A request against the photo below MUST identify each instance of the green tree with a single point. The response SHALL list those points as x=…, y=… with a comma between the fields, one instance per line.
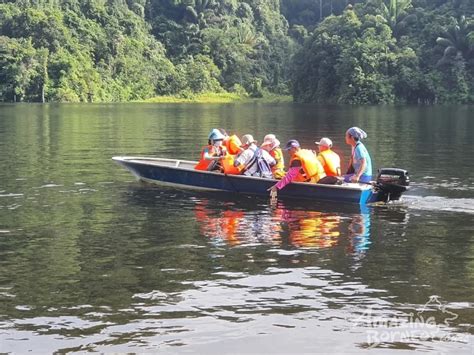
x=19, y=67
x=347, y=60
x=458, y=41
x=397, y=16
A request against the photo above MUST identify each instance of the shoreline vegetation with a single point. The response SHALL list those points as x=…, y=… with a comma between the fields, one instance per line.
x=327, y=51
x=218, y=98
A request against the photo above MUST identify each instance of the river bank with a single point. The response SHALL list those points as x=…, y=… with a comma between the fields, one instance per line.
x=218, y=98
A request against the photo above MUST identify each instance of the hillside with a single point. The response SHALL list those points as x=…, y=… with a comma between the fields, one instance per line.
x=374, y=51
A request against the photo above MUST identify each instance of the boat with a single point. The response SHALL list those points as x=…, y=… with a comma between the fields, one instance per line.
x=390, y=183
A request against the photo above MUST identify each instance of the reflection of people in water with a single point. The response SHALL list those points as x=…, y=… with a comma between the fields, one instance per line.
x=236, y=226
x=312, y=229
x=304, y=229
x=300, y=228
x=223, y=225
x=359, y=232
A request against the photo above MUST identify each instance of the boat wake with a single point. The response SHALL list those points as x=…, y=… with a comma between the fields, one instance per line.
x=439, y=203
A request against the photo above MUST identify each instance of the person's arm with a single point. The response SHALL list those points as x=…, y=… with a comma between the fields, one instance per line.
x=270, y=160
x=241, y=158
x=209, y=156
x=358, y=174
x=291, y=174
x=285, y=180
x=360, y=156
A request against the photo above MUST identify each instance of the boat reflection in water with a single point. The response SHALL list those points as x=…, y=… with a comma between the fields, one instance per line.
x=359, y=232
x=236, y=226
x=311, y=229
x=285, y=224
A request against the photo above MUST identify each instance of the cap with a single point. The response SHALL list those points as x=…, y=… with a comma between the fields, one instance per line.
x=271, y=140
x=325, y=142
x=247, y=139
x=292, y=143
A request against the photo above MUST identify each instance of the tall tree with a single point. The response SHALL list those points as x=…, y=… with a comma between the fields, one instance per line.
x=458, y=40
x=396, y=14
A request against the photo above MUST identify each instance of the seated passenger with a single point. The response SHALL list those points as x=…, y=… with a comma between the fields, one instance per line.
x=272, y=145
x=231, y=143
x=304, y=167
x=330, y=162
x=254, y=161
x=212, y=153
x=360, y=165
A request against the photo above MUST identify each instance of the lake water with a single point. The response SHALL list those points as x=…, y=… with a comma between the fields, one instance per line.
x=92, y=260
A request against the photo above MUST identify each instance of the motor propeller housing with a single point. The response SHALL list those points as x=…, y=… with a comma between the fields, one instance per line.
x=392, y=182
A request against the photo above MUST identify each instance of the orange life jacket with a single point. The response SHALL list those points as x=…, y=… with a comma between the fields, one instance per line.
x=311, y=168
x=203, y=163
x=228, y=165
x=278, y=169
x=330, y=162
x=232, y=144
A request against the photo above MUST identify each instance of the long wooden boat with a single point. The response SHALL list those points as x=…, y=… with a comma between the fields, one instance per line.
x=181, y=173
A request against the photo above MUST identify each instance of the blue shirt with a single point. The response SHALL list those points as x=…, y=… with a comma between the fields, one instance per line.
x=360, y=152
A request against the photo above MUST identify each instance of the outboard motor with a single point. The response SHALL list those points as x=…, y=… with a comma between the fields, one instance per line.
x=392, y=182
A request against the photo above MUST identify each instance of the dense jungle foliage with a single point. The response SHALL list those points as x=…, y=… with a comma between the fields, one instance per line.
x=361, y=52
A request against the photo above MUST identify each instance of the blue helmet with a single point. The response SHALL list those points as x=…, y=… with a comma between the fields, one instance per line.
x=216, y=135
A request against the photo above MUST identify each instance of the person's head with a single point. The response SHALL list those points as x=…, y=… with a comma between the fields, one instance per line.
x=247, y=140
x=292, y=146
x=215, y=137
x=270, y=142
x=324, y=144
x=354, y=134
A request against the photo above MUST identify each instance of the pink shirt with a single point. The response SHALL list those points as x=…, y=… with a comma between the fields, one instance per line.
x=289, y=177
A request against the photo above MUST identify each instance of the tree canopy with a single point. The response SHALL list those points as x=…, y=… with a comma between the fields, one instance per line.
x=361, y=52
x=386, y=51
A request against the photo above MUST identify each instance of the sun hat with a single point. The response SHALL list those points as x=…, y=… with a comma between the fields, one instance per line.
x=271, y=140
x=247, y=139
x=326, y=142
x=216, y=135
x=292, y=143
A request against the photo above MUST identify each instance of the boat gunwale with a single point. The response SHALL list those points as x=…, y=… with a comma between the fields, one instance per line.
x=143, y=161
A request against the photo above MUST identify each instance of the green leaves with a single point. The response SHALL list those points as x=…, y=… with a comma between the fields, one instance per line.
x=458, y=39
x=21, y=69
x=371, y=51
x=385, y=51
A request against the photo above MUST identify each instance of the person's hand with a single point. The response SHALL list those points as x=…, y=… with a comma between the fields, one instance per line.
x=354, y=178
x=273, y=193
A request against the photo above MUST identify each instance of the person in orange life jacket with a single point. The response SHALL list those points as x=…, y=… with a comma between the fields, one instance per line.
x=212, y=153
x=330, y=161
x=360, y=162
x=272, y=145
x=304, y=167
x=231, y=143
x=254, y=161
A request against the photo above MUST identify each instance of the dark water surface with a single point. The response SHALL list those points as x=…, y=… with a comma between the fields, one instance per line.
x=92, y=260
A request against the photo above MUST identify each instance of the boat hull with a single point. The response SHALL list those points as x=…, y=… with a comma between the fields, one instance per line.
x=181, y=173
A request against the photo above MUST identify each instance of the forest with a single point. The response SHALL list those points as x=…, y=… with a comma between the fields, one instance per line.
x=318, y=51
